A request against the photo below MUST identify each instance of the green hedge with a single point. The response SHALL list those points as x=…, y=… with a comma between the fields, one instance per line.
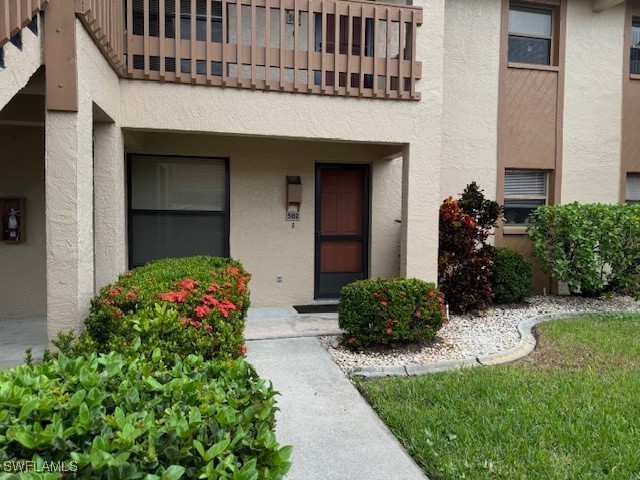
x=125, y=417
x=512, y=276
x=208, y=299
x=593, y=248
x=390, y=311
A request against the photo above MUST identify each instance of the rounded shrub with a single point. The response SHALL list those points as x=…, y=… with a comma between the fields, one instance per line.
x=512, y=276
x=131, y=416
x=390, y=311
x=202, y=303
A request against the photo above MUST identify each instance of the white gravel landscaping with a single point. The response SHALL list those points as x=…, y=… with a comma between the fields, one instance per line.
x=469, y=336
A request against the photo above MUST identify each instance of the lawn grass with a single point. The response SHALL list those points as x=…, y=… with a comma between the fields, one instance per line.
x=571, y=410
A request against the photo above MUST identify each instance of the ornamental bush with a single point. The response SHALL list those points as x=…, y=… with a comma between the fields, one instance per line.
x=593, y=248
x=130, y=416
x=512, y=276
x=201, y=304
x=465, y=263
x=390, y=311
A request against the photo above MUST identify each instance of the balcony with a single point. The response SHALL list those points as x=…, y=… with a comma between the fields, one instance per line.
x=326, y=47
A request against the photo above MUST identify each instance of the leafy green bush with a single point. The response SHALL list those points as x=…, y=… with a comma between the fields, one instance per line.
x=512, y=276
x=129, y=416
x=390, y=311
x=208, y=295
x=593, y=248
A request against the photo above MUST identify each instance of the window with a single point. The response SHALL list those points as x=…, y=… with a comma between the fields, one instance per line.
x=178, y=206
x=531, y=35
x=633, y=188
x=524, y=191
x=634, y=65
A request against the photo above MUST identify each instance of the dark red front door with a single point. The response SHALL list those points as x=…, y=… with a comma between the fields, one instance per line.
x=341, y=227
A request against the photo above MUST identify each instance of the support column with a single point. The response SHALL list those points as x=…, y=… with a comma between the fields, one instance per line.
x=110, y=209
x=422, y=156
x=69, y=218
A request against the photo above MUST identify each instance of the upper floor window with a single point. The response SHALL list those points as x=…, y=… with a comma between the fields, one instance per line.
x=531, y=35
x=524, y=191
x=633, y=188
x=634, y=65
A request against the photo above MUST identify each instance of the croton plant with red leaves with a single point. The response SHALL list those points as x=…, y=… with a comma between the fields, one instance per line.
x=208, y=295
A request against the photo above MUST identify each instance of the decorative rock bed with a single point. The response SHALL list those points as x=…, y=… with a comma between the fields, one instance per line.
x=469, y=337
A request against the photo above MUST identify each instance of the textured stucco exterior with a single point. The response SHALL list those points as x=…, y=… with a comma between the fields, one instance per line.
x=260, y=236
x=70, y=193
x=471, y=77
x=20, y=65
x=23, y=291
x=593, y=104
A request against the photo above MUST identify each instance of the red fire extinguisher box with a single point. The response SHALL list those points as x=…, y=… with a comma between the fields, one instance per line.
x=13, y=211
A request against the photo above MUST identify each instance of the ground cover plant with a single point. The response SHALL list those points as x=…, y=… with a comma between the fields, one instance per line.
x=198, y=303
x=569, y=410
x=384, y=311
x=125, y=416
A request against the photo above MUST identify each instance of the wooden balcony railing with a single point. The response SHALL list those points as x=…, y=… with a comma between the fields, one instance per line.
x=16, y=15
x=104, y=20
x=348, y=48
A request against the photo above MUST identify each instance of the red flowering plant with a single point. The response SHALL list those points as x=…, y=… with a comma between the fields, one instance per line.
x=465, y=262
x=207, y=298
x=390, y=311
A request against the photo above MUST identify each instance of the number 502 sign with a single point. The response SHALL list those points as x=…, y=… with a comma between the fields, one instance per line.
x=293, y=216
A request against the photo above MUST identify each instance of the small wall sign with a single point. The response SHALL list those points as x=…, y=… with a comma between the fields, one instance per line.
x=293, y=216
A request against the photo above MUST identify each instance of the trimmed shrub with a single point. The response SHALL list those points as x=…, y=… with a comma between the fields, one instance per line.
x=390, y=311
x=512, y=276
x=593, y=248
x=208, y=297
x=125, y=417
x=464, y=264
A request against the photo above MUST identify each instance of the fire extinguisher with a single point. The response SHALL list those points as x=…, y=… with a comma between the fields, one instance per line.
x=12, y=226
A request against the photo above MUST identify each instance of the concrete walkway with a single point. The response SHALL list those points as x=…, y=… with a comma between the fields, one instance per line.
x=16, y=335
x=334, y=432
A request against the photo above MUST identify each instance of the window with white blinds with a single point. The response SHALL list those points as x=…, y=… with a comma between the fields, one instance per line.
x=524, y=191
x=633, y=188
x=178, y=207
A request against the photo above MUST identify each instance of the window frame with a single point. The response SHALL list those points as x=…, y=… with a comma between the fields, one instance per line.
x=554, y=44
x=627, y=200
x=225, y=213
x=634, y=20
x=521, y=227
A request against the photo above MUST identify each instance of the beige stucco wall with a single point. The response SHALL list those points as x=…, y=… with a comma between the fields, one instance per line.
x=260, y=236
x=417, y=125
x=470, y=115
x=69, y=165
x=23, y=291
x=20, y=65
x=592, y=103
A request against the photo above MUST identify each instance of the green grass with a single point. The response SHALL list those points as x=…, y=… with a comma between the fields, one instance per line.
x=569, y=411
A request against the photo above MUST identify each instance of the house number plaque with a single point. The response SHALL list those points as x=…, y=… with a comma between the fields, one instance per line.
x=293, y=216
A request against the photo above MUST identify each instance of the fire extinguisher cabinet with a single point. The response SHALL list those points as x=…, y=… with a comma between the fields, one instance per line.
x=14, y=214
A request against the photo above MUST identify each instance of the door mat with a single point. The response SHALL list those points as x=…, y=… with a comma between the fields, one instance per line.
x=326, y=308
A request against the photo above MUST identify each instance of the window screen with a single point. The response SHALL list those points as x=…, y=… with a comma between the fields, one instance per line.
x=530, y=35
x=633, y=188
x=634, y=65
x=178, y=207
x=524, y=191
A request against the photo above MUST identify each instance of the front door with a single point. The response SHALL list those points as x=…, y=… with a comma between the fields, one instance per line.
x=342, y=230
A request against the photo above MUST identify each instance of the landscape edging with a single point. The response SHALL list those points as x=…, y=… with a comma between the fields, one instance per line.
x=524, y=347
